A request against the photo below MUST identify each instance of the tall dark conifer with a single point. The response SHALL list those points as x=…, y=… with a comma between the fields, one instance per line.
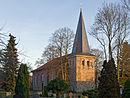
x=10, y=65
x=126, y=91
x=22, y=84
x=108, y=86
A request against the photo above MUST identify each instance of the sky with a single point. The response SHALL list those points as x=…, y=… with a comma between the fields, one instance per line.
x=33, y=21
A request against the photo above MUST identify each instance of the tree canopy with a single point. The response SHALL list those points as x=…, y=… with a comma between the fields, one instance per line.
x=60, y=43
x=125, y=60
x=111, y=28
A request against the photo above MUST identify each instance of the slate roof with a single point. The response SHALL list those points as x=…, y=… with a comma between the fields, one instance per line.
x=81, y=42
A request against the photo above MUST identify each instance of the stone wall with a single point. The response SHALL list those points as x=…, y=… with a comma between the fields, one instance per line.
x=84, y=85
x=82, y=76
x=83, y=71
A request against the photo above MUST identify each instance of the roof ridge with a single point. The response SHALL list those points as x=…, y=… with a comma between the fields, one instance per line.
x=48, y=63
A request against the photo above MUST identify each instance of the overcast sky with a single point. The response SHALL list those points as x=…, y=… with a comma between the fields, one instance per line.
x=33, y=21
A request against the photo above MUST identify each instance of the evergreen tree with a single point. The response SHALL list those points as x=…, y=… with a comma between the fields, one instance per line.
x=126, y=91
x=10, y=65
x=22, y=84
x=108, y=85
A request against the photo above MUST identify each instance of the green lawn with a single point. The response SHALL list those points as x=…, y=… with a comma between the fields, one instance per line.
x=3, y=94
x=34, y=92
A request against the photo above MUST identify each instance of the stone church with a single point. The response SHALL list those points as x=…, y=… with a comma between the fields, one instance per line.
x=77, y=68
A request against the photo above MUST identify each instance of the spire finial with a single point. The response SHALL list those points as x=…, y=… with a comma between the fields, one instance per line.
x=80, y=6
x=80, y=9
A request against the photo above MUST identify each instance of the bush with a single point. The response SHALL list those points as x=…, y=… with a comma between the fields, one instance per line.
x=93, y=93
x=58, y=85
x=45, y=92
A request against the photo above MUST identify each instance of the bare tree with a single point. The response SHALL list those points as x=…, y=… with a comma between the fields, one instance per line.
x=99, y=57
x=110, y=22
x=2, y=37
x=60, y=43
x=39, y=62
x=62, y=39
x=125, y=60
x=98, y=63
x=50, y=52
x=126, y=4
x=2, y=44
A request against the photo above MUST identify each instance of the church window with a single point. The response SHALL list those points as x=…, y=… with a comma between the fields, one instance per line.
x=39, y=81
x=92, y=64
x=35, y=81
x=47, y=79
x=88, y=63
x=42, y=77
x=83, y=62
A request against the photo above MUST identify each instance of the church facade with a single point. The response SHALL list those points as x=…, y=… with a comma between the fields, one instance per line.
x=78, y=68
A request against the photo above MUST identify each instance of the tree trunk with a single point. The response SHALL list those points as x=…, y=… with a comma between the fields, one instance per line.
x=110, y=50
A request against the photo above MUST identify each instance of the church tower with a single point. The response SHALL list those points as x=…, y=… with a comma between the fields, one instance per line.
x=82, y=61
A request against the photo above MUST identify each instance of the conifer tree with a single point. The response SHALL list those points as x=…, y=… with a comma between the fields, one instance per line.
x=108, y=85
x=22, y=84
x=10, y=65
x=126, y=91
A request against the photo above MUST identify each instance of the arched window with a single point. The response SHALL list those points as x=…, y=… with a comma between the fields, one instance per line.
x=92, y=64
x=35, y=81
x=83, y=62
x=42, y=77
x=39, y=81
x=88, y=63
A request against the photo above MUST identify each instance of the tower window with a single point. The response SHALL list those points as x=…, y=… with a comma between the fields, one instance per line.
x=92, y=64
x=83, y=62
x=88, y=63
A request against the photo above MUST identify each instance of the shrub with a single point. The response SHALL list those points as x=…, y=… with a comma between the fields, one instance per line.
x=45, y=92
x=93, y=93
x=58, y=85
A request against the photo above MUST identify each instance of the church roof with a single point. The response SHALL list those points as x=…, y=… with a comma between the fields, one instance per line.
x=53, y=62
x=80, y=45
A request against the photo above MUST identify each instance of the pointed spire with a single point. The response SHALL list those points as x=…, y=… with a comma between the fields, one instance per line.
x=80, y=45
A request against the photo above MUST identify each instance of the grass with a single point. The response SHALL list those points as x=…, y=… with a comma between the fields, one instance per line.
x=34, y=92
x=3, y=94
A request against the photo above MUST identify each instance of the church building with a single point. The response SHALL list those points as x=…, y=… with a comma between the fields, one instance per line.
x=77, y=68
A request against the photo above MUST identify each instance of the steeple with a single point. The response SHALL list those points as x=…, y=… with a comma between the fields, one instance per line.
x=80, y=45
